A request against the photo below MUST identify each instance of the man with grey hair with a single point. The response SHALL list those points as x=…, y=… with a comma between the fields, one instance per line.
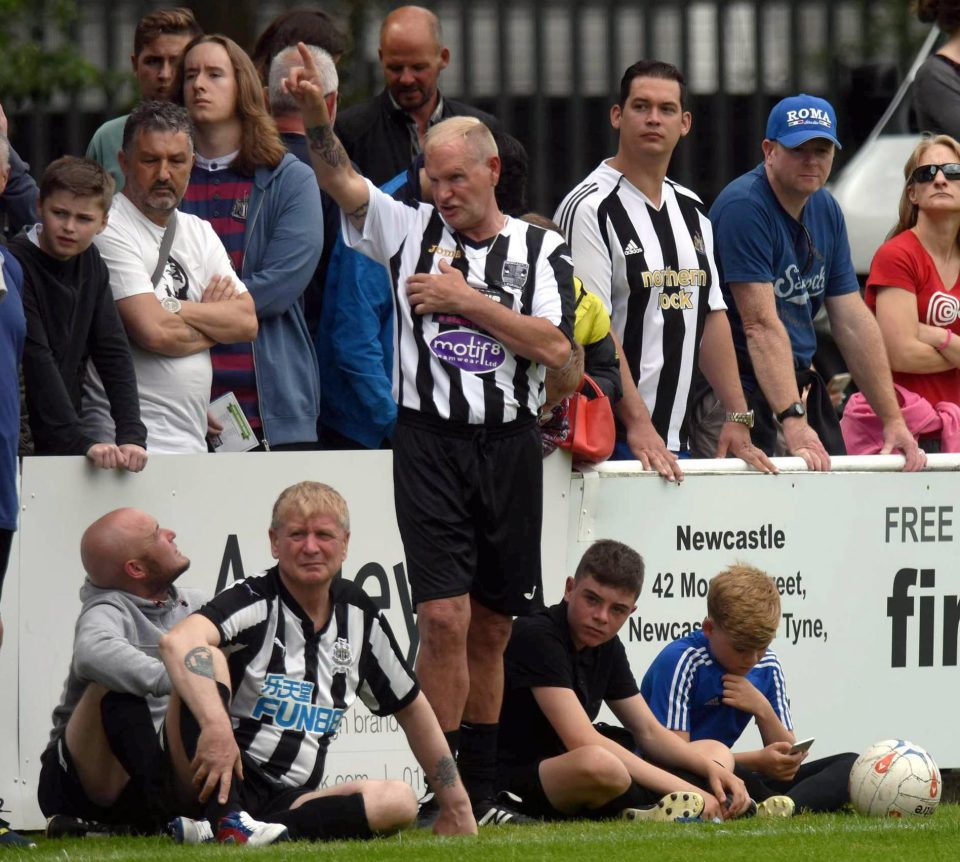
x=286, y=114
x=483, y=305
x=175, y=289
x=384, y=133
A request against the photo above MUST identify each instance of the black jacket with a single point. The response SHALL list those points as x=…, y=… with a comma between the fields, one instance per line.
x=71, y=316
x=376, y=135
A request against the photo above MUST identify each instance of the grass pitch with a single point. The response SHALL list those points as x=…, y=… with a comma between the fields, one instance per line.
x=820, y=837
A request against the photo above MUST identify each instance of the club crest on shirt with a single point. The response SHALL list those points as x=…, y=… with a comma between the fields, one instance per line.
x=698, y=243
x=514, y=273
x=342, y=655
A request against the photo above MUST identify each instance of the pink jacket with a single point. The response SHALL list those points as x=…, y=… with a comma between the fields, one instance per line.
x=863, y=430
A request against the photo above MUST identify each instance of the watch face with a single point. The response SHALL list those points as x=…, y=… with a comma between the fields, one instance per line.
x=795, y=409
x=171, y=304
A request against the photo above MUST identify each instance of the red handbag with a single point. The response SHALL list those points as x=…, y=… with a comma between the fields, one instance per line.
x=592, y=432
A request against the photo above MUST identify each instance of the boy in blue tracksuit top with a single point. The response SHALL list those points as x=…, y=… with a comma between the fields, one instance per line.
x=713, y=682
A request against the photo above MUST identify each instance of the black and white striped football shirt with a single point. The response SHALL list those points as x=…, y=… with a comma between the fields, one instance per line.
x=446, y=366
x=292, y=684
x=654, y=268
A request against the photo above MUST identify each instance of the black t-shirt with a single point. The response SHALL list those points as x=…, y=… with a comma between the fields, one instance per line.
x=541, y=654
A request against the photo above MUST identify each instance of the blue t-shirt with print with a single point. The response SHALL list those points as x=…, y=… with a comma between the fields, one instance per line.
x=757, y=240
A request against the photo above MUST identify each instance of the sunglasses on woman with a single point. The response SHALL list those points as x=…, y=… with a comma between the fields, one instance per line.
x=926, y=173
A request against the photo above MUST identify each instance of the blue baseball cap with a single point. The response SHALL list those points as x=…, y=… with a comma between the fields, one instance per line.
x=798, y=119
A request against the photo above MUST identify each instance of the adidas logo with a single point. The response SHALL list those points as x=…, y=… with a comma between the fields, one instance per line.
x=632, y=248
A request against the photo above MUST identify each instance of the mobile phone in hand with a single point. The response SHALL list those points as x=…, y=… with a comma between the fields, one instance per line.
x=801, y=745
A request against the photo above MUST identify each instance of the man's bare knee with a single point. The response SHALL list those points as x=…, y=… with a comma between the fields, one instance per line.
x=443, y=624
x=715, y=751
x=489, y=630
x=604, y=770
x=390, y=805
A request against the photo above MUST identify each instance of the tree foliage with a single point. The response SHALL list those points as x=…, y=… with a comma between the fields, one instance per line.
x=39, y=58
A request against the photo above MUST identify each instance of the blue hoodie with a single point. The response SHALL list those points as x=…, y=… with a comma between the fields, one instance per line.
x=282, y=244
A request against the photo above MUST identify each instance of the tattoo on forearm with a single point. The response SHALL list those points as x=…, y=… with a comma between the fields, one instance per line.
x=359, y=216
x=199, y=661
x=446, y=772
x=327, y=145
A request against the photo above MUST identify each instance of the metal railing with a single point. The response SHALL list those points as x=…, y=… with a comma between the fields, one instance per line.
x=549, y=71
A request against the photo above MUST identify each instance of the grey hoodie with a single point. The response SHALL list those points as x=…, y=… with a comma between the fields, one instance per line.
x=116, y=644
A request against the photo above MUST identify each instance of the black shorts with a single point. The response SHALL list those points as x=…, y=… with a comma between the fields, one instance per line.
x=469, y=503
x=59, y=791
x=263, y=797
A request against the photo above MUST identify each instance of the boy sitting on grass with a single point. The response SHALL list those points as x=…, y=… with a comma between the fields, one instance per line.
x=707, y=687
x=561, y=663
x=71, y=318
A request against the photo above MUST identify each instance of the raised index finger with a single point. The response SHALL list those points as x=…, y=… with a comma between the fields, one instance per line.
x=307, y=58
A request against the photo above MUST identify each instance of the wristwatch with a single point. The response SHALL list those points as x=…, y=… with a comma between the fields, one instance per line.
x=794, y=410
x=171, y=304
x=741, y=418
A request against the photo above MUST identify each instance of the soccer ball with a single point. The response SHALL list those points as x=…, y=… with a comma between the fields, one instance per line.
x=895, y=778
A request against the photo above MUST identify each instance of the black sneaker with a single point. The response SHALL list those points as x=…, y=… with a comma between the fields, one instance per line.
x=9, y=838
x=503, y=808
x=65, y=826
x=428, y=811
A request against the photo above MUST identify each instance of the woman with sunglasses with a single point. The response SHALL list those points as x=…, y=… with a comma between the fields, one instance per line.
x=914, y=290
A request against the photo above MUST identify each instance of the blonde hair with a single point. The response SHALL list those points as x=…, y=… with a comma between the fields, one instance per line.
x=308, y=499
x=908, y=212
x=470, y=130
x=744, y=602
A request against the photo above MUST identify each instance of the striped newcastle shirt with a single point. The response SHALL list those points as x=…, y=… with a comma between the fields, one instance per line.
x=684, y=689
x=291, y=684
x=447, y=366
x=654, y=269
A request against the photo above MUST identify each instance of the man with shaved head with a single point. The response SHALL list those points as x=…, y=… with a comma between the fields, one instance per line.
x=104, y=762
x=383, y=134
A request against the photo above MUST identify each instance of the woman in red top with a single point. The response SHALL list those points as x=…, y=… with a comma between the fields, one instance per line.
x=914, y=282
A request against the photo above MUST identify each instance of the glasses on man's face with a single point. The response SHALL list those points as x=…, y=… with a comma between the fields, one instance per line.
x=927, y=173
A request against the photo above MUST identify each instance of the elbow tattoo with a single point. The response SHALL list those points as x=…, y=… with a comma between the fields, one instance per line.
x=199, y=661
x=327, y=146
x=445, y=773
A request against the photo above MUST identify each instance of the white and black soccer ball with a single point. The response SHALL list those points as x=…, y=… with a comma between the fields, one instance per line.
x=895, y=778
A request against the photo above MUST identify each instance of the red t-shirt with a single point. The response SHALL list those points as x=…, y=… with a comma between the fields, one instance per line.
x=903, y=262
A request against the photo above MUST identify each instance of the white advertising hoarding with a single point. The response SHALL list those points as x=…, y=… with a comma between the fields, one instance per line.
x=866, y=562
x=869, y=577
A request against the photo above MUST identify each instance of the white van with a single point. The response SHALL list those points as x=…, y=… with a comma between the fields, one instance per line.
x=869, y=186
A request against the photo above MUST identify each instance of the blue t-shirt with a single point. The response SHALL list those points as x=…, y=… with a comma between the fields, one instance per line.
x=13, y=331
x=757, y=240
x=684, y=689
